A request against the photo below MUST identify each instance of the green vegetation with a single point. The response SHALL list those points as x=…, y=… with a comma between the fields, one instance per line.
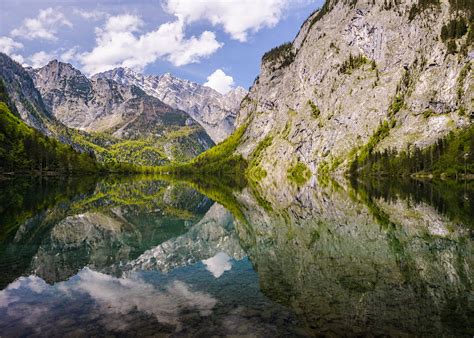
x=181, y=144
x=280, y=57
x=26, y=150
x=382, y=132
x=23, y=149
x=397, y=104
x=451, y=156
x=25, y=199
x=463, y=23
x=452, y=47
x=286, y=132
x=325, y=168
x=455, y=29
x=466, y=6
x=292, y=112
x=220, y=161
x=449, y=197
x=315, y=112
x=460, y=82
x=353, y=63
x=422, y=5
x=214, y=188
x=428, y=113
x=298, y=173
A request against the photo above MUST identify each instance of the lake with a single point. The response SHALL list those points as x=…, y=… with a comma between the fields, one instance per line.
x=155, y=256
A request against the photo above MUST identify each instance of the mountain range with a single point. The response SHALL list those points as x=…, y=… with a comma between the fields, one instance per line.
x=215, y=112
x=360, y=81
x=118, y=120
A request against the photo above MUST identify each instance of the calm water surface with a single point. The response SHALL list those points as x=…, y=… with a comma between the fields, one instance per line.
x=146, y=256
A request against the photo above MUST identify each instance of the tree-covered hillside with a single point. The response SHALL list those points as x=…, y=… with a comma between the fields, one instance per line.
x=23, y=148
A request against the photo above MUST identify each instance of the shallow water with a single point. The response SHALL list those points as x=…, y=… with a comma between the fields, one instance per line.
x=147, y=256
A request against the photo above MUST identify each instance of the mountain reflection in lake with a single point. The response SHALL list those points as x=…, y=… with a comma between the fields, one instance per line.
x=150, y=256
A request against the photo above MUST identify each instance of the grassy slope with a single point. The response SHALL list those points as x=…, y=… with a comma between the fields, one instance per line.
x=220, y=160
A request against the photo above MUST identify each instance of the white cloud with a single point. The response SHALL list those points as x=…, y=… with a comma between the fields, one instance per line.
x=38, y=60
x=44, y=26
x=218, y=264
x=220, y=81
x=69, y=55
x=9, y=46
x=90, y=15
x=237, y=17
x=121, y=43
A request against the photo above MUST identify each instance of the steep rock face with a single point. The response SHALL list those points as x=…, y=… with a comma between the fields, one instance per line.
x=100, y=104
x=352, y=66
x=26, y=99
x=213, y=111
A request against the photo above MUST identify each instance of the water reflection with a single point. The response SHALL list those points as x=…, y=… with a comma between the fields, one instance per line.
x=150, y=256
x=351, y=262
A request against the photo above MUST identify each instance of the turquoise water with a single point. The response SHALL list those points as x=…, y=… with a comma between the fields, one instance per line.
x=145, y=256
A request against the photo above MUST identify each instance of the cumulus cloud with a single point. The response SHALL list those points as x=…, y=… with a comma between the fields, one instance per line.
x=122, y=43
x=44, y=26
x=9, y=47
x=38, y=60
x=90, y=15
x=69, y=55
x=237, y=17
x=220, y=81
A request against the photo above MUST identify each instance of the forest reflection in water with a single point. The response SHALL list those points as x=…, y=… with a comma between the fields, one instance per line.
x=155, y=255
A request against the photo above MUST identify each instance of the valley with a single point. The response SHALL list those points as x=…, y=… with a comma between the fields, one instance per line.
x=334, y=198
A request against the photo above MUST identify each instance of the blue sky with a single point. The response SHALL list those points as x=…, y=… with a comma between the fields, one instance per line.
x=191, y=39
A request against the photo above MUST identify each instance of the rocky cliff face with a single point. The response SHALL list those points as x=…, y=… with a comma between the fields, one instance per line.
x=354, y=65
x=100, y=104
x=213, y=111
x=26, y=100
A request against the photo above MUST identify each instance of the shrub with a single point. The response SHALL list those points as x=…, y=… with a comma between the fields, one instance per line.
x=422, y=5
x=280, y=57
x=315, y=112
x=427, y=113
x=396, y=105
x=454, y=29
x=452, y=47
x=353, y=63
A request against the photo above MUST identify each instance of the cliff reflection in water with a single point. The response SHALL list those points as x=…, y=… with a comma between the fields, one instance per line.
x=149, y=256
x=381, y=257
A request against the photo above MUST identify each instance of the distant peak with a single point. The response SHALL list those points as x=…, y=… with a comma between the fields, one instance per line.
x=58, y=64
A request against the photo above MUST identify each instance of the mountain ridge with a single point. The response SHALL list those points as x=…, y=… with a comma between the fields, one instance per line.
x=134, y=128
x=214, y=111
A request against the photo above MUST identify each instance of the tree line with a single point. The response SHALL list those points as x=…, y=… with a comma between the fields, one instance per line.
x=451, y=156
